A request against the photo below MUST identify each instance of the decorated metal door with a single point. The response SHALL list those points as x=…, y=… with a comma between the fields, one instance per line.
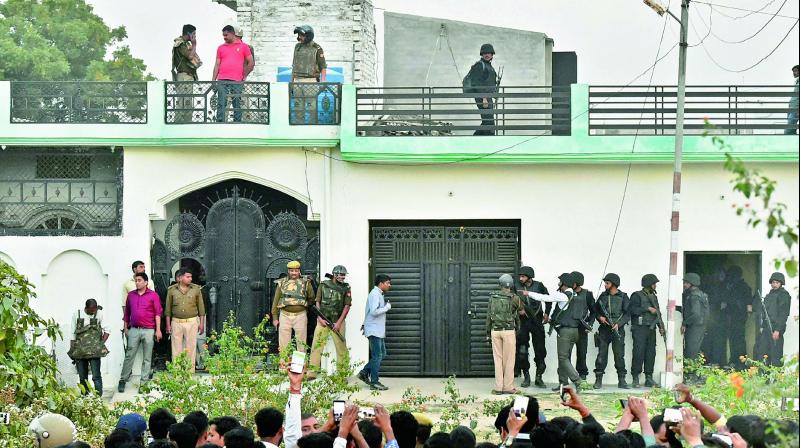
x=441, y=280
x=234, y=234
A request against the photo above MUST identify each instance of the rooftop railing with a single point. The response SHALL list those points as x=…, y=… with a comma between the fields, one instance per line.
x=78, y=102
x=731, y=110
x=315, y=103
x=198, y=102
x=514, y=110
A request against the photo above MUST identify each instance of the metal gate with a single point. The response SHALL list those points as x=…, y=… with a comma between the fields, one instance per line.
x=441, y=280
x=242, y=252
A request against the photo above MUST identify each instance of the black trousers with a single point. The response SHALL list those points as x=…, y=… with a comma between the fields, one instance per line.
x=715, y=343
x=531, y=329
x=766, y=346
x=581, y=348
x=736, y=338
x=83, y=366
x=604, y=338
x=486, y=119
x=644, y=349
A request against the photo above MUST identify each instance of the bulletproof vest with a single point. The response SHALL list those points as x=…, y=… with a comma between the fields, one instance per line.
x=613, y=306
x=293, y=292
x=648, y=299
x=576, y=310
x=333, y=296
x=501, y=311
x=773, y=304
x=697, y=307
x=88, y=341
x=305, y=59
x=532, y=305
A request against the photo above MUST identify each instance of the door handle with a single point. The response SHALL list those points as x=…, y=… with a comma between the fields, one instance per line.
x=244, y=279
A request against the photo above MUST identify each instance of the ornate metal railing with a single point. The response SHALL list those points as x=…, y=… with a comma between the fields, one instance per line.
x=732, y=110
x=449, y=111
x=78, y=102
x=317, y=103
x=216, y=102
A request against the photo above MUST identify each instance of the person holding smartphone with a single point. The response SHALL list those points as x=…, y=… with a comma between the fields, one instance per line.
x=375, y=330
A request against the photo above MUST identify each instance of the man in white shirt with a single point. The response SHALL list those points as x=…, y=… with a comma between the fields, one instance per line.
x=89, y=321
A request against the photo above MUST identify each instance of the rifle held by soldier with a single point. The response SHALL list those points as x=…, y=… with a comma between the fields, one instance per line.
x=328, y=322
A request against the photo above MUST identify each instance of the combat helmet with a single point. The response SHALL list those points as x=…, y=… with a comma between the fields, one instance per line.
x=566, y=279
x=649, y=280
x=777, y=276
x=506, y=280
x=305, y=30
x=613, y=278
x=339, y=269
x=487, y=48
x=526, y=271
x=577, y=278
x=692, y=278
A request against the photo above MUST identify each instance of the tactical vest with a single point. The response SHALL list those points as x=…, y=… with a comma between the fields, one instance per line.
x=501, y=311
x=305, y=59
x=333, y=297
x=88, y=342
x=293, y=292
x=612, y=307
x=647, y=299
x=700, y=306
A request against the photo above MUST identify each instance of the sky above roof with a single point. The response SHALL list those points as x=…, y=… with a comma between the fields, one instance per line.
x=616, y=40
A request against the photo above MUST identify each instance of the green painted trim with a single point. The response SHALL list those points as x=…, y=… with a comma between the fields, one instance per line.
x=166, y=142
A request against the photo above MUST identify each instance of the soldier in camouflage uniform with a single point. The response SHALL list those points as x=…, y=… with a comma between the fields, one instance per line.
x=611, y=311
x=695, y=315
x=645, y=317
x=289, y=307
x=90, y=336
x=777, y=304
x=333, y=300
x=185, y=63
x=531, y=324
x=502, y=321
x=308, y=66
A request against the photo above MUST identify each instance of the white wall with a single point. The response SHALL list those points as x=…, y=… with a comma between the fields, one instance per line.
x=567, y=214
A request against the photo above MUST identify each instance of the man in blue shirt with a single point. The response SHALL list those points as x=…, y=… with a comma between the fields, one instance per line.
x=375, y=331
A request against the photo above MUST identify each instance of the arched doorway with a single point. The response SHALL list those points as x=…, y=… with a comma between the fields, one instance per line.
x=241, y=234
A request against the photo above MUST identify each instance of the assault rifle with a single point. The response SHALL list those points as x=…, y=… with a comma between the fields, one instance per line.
x=328, y=323
x=604, y=312
x=765, y=317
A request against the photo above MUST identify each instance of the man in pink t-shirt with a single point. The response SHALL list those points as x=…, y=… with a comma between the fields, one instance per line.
x=234, y=62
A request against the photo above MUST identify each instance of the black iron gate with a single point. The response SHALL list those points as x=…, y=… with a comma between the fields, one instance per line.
x=441, y=277
x=241, y=253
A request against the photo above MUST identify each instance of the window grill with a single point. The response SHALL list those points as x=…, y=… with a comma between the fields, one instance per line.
x=60, y=191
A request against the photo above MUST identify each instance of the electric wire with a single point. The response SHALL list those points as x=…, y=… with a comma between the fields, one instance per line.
x=740, y=41
x=757, y=63
x=703, y=39
x=743, y=9
x=766, y=5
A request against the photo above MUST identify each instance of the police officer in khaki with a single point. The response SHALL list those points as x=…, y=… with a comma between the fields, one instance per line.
x=308, y=66
x=502, y=321
x=186, y=315
x=289, y=305
x=333, y=300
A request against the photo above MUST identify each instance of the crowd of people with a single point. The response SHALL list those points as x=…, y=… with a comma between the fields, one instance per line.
x=690, y=422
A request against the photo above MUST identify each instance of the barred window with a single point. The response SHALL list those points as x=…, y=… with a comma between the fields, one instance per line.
x=61, y=191
x=62, y=166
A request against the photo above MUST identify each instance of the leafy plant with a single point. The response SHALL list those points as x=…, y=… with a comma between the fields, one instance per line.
x=457, y=408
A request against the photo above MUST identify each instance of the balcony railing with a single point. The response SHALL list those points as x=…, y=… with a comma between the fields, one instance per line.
x=78, y=102
x=191, y=102
x=450, y=111
x=732, y=110
x=315, y=103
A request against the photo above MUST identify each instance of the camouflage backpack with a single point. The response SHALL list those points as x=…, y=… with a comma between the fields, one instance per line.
x=501, y=311
x=88, y=342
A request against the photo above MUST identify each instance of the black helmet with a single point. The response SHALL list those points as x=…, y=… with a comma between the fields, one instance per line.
x=777, y=276
x=566, y=279
x=692, y=278
x=649, y=280
x=613, y=278
x=305, y=30
x=577, y=277
x=526, y=271
x=487, y=48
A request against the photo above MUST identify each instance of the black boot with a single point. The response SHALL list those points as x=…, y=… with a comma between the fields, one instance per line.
x=622, y=384
x=635, y=382
x=598, y=382
x=649, y=382
x=121, y=386
x=582, y=376
x=538, y=382
x=527, y=381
